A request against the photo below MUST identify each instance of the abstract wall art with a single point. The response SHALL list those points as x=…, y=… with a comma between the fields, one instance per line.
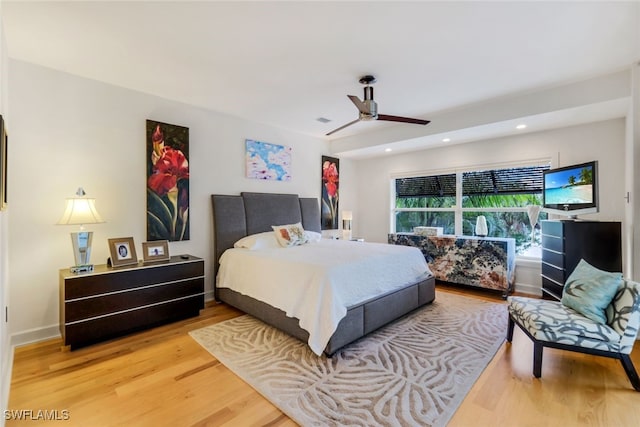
x=267, y=161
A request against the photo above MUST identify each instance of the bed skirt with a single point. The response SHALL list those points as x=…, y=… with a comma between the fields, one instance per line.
x=360, y=320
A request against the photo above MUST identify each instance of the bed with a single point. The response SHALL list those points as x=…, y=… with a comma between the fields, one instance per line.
x=238, y=216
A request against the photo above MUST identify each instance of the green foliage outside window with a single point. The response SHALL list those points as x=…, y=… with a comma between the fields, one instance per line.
x=501, y=200
x=405, y=221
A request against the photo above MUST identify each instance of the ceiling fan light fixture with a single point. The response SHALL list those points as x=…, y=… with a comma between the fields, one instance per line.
x=368, y=109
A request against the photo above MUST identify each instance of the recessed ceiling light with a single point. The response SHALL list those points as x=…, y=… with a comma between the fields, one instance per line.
x=323, y=120
x=387, y=149
x=446, y=140
x=521, y=126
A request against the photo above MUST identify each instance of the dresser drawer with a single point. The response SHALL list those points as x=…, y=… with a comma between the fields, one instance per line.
x=553, y=243
x=119, y=280
x=552, y=228
x=551, y=288
x=91, y=307
x=553, y=258
x=118, y=324
x=552, y=272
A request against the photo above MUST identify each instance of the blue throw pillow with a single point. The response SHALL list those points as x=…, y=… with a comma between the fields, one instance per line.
x=589, y=291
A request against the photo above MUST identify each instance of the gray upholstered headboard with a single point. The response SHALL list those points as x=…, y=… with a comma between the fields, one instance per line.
x=237, y=216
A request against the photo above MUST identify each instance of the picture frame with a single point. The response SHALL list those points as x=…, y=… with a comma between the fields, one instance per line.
x=267, y=161
x=4, y=162
x=330, y=190
x=168, y=172
x=157, y=250
x=123, y=251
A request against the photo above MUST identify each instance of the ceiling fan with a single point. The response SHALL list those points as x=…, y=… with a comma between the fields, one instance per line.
x=368, y=109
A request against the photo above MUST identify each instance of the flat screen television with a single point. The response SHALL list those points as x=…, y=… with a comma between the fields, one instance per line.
x=571, y=190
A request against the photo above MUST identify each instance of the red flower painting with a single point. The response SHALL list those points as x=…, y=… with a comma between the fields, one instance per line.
x=330, y=192
x=167, y=183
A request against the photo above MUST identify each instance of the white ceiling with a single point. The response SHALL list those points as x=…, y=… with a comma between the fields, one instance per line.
x=288, y=63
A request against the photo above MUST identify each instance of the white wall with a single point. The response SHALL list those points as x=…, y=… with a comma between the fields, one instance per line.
x=602, y=141
x=5, y=347
x=633, y=174
x=68, y=132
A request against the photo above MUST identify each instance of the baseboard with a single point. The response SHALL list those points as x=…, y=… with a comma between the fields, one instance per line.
x=528, y=289
x=528, y=279
x=35, y=335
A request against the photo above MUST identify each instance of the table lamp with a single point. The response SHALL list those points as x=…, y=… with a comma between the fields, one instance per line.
x=80, y=211
x=347, y=217
x=481, y=226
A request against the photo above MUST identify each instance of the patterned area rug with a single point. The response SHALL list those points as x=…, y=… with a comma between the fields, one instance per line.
x=413, y=372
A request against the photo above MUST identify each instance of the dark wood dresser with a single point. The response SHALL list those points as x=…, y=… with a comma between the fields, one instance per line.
x=565, y=243
x=111, y=302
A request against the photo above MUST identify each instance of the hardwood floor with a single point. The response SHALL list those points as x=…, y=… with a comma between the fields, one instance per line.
x=161, y=377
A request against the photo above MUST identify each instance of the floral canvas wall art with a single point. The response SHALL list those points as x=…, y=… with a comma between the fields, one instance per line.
x=268, y=161
x=167, y=182
x=330, y=192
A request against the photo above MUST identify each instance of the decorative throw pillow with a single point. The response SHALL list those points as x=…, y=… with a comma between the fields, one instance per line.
x=290, y=234
x=589, y=291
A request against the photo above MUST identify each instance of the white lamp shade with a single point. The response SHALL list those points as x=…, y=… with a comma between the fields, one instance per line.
x=80, y=211
x=481, y=226
x=347, y=217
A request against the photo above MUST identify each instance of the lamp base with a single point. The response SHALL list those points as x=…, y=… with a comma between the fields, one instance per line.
x=85, y=268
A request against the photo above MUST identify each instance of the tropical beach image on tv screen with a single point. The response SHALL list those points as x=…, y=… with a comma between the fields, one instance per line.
x=570, y=186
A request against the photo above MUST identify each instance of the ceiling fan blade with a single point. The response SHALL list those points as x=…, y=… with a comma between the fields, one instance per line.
x=344, y=126
x=402, y=119
x=359, y=104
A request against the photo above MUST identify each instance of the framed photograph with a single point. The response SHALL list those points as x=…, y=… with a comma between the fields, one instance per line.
x=155, y=251
x=123, y=251
x=4, y=140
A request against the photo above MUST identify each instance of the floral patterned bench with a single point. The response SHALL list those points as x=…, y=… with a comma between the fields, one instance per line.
x=485, y=262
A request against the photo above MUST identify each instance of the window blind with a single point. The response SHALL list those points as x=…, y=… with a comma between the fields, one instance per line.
x=520, y=180
x=426, y=186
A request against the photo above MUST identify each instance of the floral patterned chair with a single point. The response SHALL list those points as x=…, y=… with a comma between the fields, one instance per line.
x=552, y=324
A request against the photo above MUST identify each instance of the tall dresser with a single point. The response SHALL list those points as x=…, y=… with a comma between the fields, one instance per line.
x=565, y=243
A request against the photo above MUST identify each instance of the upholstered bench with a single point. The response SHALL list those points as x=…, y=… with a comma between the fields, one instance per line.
x=553, y=324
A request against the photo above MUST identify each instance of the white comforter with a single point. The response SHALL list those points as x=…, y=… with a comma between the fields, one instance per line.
x=318, y=281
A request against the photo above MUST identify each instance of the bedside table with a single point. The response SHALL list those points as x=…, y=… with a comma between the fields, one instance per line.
x=111, y=302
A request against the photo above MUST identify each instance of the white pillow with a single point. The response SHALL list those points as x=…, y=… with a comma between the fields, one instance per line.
x=290, y=234
x=313, y=236
x=258, y=241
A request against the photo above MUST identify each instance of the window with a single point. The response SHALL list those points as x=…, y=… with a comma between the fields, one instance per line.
x=454, y=201
x=427, y=201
